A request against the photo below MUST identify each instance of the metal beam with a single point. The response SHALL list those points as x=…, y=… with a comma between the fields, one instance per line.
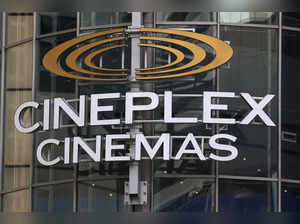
x=2, y=105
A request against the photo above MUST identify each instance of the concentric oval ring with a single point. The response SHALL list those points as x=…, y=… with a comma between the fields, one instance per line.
x=176, y=68
x=178, y=54
x=223, y=51
x=198, y=53
x=51, y=59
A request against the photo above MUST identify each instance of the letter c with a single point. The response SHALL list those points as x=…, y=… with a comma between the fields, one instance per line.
x=19, y=124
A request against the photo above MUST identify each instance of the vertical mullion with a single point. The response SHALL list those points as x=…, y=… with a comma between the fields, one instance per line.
x=216, y=162
x=2, y=106
x=279, y=108
x=34, y=94
x=75, y=170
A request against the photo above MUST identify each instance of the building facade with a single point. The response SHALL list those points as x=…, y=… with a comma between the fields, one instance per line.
x=264, y=176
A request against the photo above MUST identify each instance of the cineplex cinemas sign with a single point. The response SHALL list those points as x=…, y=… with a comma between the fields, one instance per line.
x=77, y=59
x=164, y=141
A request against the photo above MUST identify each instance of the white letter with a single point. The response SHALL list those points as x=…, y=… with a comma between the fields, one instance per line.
x=46, y=120
x=95, y=109
x=129, y=107
x=257, y=109
x=168, y=112
x=96, y=156
x=60, y=103
x=141, y=140
x=67, y=151
x=213, y=143
x=208, y=107
x=40, y=157
x=109, y=147
x=19, y=124
x=197, y=150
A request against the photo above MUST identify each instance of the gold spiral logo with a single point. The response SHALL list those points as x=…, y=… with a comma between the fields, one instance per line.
x=68, y=58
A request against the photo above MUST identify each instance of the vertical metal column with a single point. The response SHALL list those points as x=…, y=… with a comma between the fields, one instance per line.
x=76, y=166
x=34, y=94
x=132, y=188
x=2, y=106
x=147, y=165
x=217, y=127
x=279, y=108
x=269, y=109
x=134, y=175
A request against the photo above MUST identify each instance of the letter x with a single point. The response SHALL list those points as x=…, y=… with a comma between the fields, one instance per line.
x=257, y=109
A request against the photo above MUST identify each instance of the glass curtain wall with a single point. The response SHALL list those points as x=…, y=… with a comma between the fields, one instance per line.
x=264, y=176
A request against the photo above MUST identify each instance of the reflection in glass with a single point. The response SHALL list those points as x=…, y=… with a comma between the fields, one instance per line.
x=185, y=16
x=269, y=18
x=19, y=27
x=53, y=198
x=290, y=104
x=50, y=86
x=51, y=22
x=101, y=196
x=291, y=19
x=253, y=70
x=183, y=195
x=247, y=196
x=104, y=18
x=290, y=197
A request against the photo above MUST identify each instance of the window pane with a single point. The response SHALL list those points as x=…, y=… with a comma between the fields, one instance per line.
x=54, y=198
x=291, y=19
x=290, y=197
x=290, y=104
x=183, y=195
x=101, y=196
x=51, y=22
x=247, y=196
x=104, y=18
x=50, y=86
x=253, y=70
x=19, y=27
x=16, y=202
x=185, y=16
x=249, y=17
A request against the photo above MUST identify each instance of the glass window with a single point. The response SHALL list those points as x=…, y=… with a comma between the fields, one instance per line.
x=239, y=196
x=16, y=202
x=291, y=19
x=101, y=196
x=50, y=86
x=19, y=27
x=290, y=197
x=104, y=18
x=269, y=18
x=185, y=16
x=52, y=22
x=183, y=195
x=290, y=136
x=53, y=198
x=253, y=70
